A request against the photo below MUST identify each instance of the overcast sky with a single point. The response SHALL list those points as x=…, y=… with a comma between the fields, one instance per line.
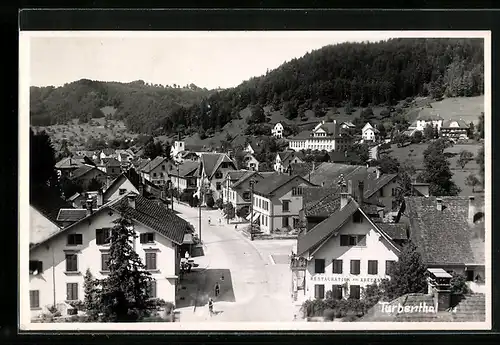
x=210, y=60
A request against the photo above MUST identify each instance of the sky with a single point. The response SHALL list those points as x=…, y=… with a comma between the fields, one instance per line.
x=206, y=59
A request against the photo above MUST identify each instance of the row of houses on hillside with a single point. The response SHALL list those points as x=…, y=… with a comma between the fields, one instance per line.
x=68, y=238
x=451, y=128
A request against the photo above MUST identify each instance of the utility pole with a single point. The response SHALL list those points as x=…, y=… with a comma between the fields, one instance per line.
x=252, y=183
x=202, y=193
x=178, y=192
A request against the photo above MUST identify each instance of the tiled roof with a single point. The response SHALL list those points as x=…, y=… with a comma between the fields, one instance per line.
x=108, y=152
x=195, y=148
x=373, y=184
x=68, y=163
x=329, y=173
x=396, y=231
x=301, y=169
x=301, y=135
x=324, y=229
x=285, y=155
x=321, y=201
x=245, y=177
x=74, y=196
x=156, y=217
x=111, y=162
x=114, y=185
x=140, y=163
x=211, y=162
x=84, y=169
x=461, y=124
x=185, y=169
x=330, y=128
x=152, y=164
x=347, y=123
x=71, y=214
x=445, y=237
x=47, y=202
x=271, y=183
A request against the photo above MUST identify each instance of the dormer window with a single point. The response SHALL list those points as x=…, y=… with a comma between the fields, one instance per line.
x=218, y=175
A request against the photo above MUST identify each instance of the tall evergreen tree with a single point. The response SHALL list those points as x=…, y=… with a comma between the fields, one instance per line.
x=42, y=160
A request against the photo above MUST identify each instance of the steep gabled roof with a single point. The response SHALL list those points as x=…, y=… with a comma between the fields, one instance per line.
x=152, y=164
x=461, y=124
x=330, y=128
x=46, y=201
x=428, y=114
x=111, y=162
x=445, y=237
x=84, y=169
x=185, y=169
x=69, y=163
x=301, y=135
x=396, y=231
x=71, y=214
x=374, y=184
x=115, y=185
x=212, y=161
x=329, y=173
x=245, y=177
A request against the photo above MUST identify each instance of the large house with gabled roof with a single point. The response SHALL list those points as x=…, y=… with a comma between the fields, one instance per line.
x=86, y=173
x=237, y=189
x=277, y=201
x=343, y=253
x=284, y=159
x=60, y=261
x=183, y=177
x=156, y=171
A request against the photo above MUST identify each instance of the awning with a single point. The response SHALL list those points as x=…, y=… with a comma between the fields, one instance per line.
x=188, y=239
x=256, y=216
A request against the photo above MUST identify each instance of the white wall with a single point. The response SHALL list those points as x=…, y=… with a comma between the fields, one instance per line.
x=127, y=185
x=376, y=248
x=40, y=227
x=52, y=254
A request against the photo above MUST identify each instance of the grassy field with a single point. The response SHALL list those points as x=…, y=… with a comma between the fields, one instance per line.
x=465, y=108
x=414, y=154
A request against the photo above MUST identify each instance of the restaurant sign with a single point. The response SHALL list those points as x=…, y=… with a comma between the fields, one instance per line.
x=344, y=279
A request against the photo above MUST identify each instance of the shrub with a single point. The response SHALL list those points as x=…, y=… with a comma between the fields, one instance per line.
x=219, y=203
x=210, y=201
x=459, y=284
x=329, y=314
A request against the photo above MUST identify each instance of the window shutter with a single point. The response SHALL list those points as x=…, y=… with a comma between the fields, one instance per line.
x=344, y=240
x=40, y=266
x=143, y=238
x=79, y=239
x=153, y=258
x=68, y=291
x=99, y=236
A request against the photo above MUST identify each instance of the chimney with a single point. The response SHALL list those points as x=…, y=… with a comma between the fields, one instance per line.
x=472, y=210
x=439, y=205
x=131, y=200
x=100, y=197
x=141, y=189
x=88, y=205
x=377, y=170
x=350, y=190
x=344, y=199
x=439, y=286
x=361, y=190
x=381, y=214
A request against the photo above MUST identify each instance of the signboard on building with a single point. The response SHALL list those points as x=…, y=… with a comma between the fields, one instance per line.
x=345, y=279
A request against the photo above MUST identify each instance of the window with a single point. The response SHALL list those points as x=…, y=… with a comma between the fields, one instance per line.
x=372, y=267
x=352, y=240
x=150, y=261
x=154, y=174
x=394, y=192
x=286, y=206
x=354, y=291
x=163, y=167
x=148, y=237
x=71, y=263
x=296, y=191
x=355, y=266
x=389, y=264
x=285, y=222
x=75, y=239
x=337, y=292
x=34, y=299
x=72, y=291
x=218, y=175
x=337, y=266
x=105, y=262
x=122, y=191
x=344, y=240
x=36, y=266
x=218, y=186
x=319, y=266
x=152, y=289
x=381, y=193
x=357, y=217
x=470, y=275
x=259, y=202
x=319, y=291
x=102, y=236
x=296, y=223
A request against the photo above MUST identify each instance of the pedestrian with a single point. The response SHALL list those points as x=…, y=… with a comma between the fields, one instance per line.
x=217, y=289
x=186, y=255
x=220, y=221
x=209, y=220
x=210, y=306
x=235, y=226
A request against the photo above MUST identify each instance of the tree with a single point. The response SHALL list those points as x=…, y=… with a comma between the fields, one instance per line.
x=68, y=187
x=124, y=294
x=91, y=301
x=153, y=149
x=42, y=160
x=388, y=164
x=437, y=170
x=417, y=137
x=382, y=131
x=229, y=211
x=480, y=126
x=219, y=203
x=429, y=132
x=239, y=157
x=290, y=110
x=480, y=162
x=210, y=201
x=408, y=274
x=472, y=181
x=318, y=110
x=357, y=154
x=458, y=284
x=464, y=158
x=242, y=212
x=258, y=115
x=94, y=185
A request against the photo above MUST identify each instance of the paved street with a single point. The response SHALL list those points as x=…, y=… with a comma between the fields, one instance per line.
x=256, y=285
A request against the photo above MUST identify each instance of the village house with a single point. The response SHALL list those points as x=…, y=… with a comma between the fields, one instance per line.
x=183, y=177
x=118, y=187
x=343, y=254
x=347, y=126
x=450, y=234
x=277, y=130
x=284, y=159
x=277, y=201
x=369, y=133
x=58, y=263
x=237, y=188
x=212, y=173
x=156, y=171
x=455, y=129
x=124, y=155
x=107, y=153
x=111, y=166
x=251, y=163
x=180, y=148
x=67, y=165
x=85, y=174
x=325, y=136
x=426, y=117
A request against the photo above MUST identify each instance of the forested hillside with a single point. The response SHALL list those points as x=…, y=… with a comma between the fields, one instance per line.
x=348, y=75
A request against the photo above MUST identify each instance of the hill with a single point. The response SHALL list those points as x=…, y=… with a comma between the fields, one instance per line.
x=331, y=79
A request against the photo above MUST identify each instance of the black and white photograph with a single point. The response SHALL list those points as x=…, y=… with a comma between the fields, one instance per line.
x=245, y=180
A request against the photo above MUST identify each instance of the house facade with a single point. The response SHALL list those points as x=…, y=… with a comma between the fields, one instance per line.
x=323, y=137
x=184, y=177
x=284, y=159
x=118, y=187
x=237, y=187
x=251, y=163
x=369, y=133
x=156, y=171
x=86, y=173
x=58, y=265
x=277, y=130
x=456, y=129
x=277, y=202
x=212, y=173
x=343, y=254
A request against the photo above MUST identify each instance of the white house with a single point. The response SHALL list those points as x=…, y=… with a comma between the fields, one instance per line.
x=369, y=133
x=118, y=187
x=284, y=159
x=59, y=263
x=178, y=147
x=156, y=171
x=427, y=116
x=325, y=136
x=277, y=130
x=251, y=163
x=212, y=172
x=343, y=254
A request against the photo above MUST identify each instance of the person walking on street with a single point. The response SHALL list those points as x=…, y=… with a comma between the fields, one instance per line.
x=209, y=220
x=210, y=306
x=217, y=289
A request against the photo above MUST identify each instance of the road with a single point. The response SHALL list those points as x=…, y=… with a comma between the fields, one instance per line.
x=255, y=287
